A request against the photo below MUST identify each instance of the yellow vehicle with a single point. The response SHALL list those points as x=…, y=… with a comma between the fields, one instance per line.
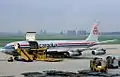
x=98, y=65
x=32, y=53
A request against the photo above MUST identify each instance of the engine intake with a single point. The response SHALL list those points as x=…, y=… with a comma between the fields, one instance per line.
x=99, y=52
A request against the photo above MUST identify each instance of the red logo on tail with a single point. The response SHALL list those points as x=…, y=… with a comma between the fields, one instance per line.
x=95, y=30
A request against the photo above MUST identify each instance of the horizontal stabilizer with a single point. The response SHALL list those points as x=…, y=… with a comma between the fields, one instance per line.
x=107, y=41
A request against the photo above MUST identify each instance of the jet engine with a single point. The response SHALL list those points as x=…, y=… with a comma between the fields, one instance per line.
x=99, y=52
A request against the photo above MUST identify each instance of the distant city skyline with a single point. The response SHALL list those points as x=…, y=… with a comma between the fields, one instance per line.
x=57, y=15
x=63, y=33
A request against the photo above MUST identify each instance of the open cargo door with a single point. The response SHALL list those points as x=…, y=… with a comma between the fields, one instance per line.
x=30, y=36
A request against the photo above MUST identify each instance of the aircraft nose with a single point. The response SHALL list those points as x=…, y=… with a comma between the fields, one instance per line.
x=7, y=51
x=2, y=50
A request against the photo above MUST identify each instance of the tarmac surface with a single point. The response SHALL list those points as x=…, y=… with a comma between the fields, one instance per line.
x=74, y=64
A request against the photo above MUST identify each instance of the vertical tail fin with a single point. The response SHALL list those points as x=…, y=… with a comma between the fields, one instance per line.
x=94, y=33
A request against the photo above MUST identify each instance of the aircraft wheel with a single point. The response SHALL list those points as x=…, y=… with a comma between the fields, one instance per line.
x=10, y=59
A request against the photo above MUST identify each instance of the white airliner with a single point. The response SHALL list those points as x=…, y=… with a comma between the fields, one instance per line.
x=69, y=47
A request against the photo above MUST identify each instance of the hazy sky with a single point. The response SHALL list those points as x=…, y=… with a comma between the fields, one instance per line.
x=56, y=15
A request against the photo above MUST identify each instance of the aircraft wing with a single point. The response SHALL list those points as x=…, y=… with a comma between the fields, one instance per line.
x=58, y=49
x=65, y=49
x=84, y=49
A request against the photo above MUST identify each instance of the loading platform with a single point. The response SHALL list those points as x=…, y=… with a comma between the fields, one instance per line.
x=34, y=53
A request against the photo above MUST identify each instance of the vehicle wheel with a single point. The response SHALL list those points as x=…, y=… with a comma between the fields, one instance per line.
x=10, y=59
x=16, y=58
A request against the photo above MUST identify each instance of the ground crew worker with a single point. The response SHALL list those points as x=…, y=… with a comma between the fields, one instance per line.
x=16, y=46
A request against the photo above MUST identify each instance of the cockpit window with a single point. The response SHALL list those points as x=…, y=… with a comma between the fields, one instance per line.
x=9, y=47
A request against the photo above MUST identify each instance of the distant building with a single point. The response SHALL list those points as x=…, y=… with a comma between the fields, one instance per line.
x=81, y=32
x=71, y=32
x=62, y=33
x=110, y=33
x=20, y=32
x=42, y=32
